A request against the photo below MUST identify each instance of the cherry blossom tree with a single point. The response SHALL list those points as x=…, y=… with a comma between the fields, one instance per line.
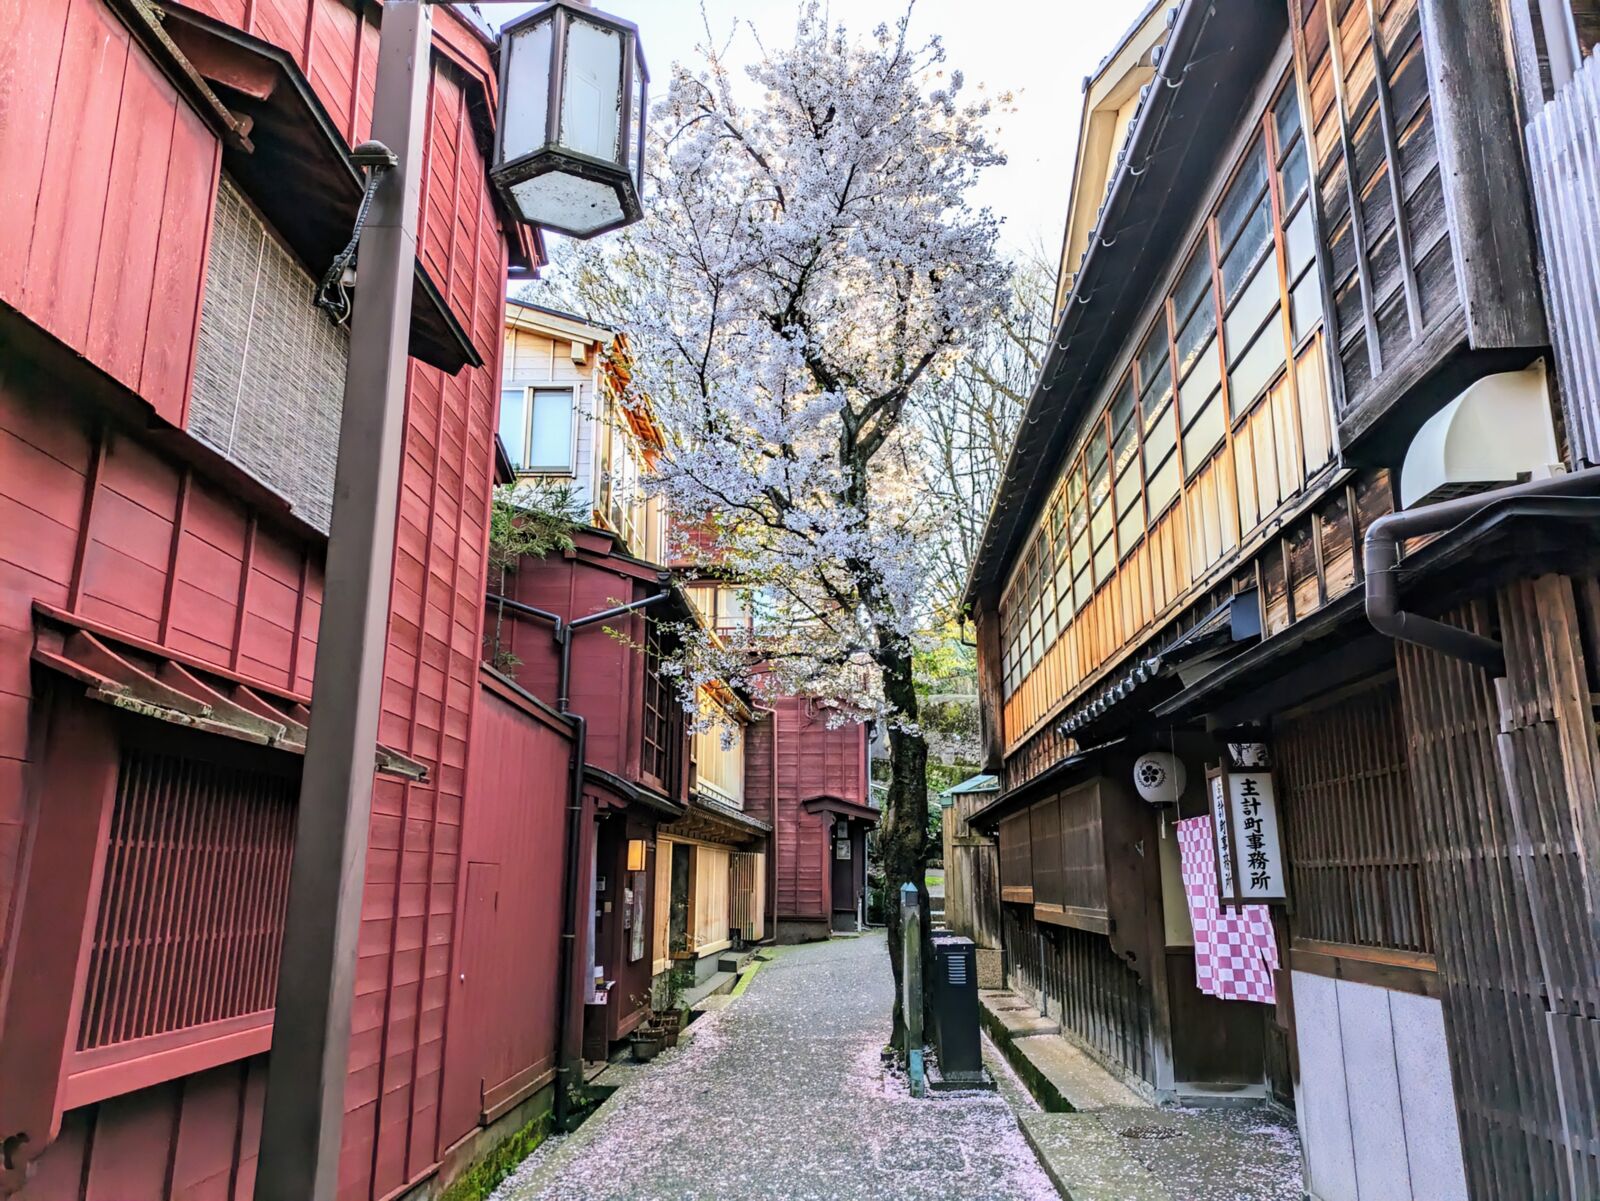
x=808, y=269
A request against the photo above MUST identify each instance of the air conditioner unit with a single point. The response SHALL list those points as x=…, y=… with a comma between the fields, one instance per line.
x=1498, y=431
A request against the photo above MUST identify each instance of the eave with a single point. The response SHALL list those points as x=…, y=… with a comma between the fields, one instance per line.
x=299, y=172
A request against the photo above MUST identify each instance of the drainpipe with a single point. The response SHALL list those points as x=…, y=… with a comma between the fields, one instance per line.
x=1382, y=557
x=568, y=1033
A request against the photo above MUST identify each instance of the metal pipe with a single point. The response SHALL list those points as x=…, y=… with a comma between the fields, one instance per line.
x=1382, y=559
x=570, y=1058
x=1560, y=41
x=564, y=637
x=517, y=606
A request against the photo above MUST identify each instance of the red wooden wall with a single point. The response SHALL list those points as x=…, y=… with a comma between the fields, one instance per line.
x=607, y=673
x=117, y=533
x=502, y=1017
x=812, y=761
x=101, y=526
x=106, y=185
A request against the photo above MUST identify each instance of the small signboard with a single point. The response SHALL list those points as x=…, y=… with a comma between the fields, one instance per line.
x=1217, y=790
x=1250, y=864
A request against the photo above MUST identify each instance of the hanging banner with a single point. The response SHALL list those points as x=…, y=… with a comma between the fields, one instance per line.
x=1244, y=814
x=1235, y=948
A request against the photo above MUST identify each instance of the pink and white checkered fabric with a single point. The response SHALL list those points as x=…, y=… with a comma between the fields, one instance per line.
x=1235, y=952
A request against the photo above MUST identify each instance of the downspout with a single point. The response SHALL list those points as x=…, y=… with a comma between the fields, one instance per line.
x=1382, y=558
x=568, y=1033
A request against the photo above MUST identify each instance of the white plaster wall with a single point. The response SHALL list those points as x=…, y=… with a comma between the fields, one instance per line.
x=1375, y=1102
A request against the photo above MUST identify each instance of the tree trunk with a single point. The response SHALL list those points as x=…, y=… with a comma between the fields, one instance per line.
x=903, y=837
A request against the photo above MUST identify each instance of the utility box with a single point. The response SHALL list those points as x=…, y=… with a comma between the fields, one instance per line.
x=955, y=1009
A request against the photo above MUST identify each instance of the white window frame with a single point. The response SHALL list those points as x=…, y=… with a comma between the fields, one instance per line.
x=529, y=399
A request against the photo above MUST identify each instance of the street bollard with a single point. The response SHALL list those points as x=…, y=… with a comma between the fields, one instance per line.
x=911, y=984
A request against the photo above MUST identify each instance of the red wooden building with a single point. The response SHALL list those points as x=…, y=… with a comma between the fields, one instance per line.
x=817, y=800
x=807, y=774
x=172, y=180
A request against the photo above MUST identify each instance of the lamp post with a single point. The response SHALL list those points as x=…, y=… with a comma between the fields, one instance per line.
x=593, y=79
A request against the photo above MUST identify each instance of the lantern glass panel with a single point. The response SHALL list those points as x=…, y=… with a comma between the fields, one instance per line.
x=591, y=116
x=568, y=202
x=527, y=88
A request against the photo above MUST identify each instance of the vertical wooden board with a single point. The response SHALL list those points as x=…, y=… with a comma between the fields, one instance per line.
x=59, y=284
x=171, y=334
x=125, y=266
x=208, y=1126
x=33, y=41
x=58, y=1174
x=133, y=1137
x=331, y=65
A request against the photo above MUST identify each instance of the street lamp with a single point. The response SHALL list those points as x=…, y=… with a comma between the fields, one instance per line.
x=568, y=154
x=569, y=145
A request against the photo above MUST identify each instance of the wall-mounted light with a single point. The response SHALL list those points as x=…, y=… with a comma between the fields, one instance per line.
x=636, y=854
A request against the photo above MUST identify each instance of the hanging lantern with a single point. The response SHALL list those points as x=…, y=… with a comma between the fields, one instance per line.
x=569, y=149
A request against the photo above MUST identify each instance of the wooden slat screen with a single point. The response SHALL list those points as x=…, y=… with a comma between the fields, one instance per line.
x=1564, y=163
x=191, y=910
x=1044, y=832
x=1085, y=985
x=1516, y=955
x=1355, y=858
x=1083, y=849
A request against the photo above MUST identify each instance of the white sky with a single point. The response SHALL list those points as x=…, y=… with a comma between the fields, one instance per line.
x=1038, y=49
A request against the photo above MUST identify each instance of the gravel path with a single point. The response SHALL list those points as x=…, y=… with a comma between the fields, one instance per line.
x=783, y=1095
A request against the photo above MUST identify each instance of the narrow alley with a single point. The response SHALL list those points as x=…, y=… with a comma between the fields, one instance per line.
x=783, y=1094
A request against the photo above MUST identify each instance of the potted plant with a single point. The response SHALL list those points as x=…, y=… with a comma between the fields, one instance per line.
x=645, y=1042
x=668, y=1003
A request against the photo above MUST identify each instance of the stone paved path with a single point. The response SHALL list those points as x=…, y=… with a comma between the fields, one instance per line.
x=782, y=1095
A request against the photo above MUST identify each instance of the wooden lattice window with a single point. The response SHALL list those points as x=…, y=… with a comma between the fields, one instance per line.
x=1355, y=859
x=663, y=717
x=191, y=909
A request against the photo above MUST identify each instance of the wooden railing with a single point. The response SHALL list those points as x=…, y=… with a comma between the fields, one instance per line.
x=1564, y=161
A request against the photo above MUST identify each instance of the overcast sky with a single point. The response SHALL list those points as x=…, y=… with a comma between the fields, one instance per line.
x=1038, y=49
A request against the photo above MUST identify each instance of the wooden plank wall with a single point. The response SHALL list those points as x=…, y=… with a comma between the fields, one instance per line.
x=238, y=595
x=95, y=523
x=107, y=179
x=503, y=1002
x=1506, y=798
x=812, y=761
x=971, y=873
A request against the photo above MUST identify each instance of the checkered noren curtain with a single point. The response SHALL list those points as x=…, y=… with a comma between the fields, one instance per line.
x=1235, y=953
x=269, y=371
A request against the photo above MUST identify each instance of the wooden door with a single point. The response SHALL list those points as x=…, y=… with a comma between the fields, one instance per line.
x=474, y=988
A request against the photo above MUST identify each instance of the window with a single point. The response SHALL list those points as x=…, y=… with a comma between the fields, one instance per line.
x=1153, y=370
x=1294, y=202
x=1128, y=486
x=1101, y=518
x=663, y=717
x=536, y=427
x=1200, y=374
